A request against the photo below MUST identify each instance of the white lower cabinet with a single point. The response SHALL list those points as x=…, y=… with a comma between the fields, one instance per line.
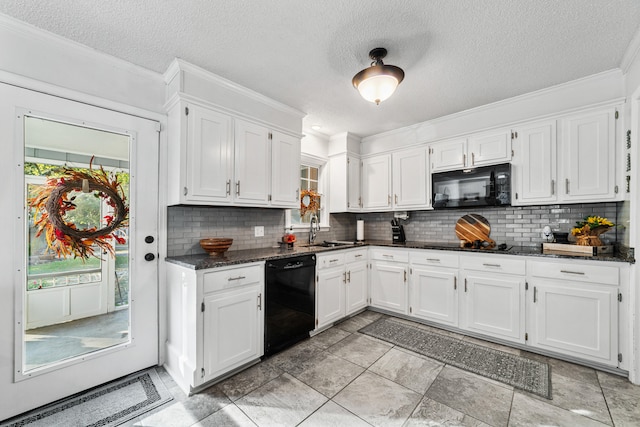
x=215, y=321
x=341, y=287
x=573, y=310
x=433, y=288
x=492, y=296
x=389, y=279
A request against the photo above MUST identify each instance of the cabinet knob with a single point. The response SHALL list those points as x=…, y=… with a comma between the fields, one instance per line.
x=149, y=257
x=149, y=239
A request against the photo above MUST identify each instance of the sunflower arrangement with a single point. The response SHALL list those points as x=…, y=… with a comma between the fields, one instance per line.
x=52, y=201
x=588, y=230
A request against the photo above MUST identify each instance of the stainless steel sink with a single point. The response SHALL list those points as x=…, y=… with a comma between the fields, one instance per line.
x=329, y=244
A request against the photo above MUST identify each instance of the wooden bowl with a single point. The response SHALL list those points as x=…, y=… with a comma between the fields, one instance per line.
x=216, y=245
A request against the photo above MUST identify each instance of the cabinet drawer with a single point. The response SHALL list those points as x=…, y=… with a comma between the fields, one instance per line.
x=601, y=274
x=355, y=256
x=494, y=264
x=384, y=254
x=330, y=260
x=232, y=278
x=435, y=258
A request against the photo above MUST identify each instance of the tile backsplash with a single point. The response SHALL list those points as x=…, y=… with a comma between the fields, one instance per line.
x=513, y=225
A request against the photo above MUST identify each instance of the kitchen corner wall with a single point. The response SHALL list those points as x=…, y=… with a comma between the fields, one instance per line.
x=188, y=224
x=521, y=226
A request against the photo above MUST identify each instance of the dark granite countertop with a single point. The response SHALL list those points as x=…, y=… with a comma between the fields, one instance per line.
x=204, y=261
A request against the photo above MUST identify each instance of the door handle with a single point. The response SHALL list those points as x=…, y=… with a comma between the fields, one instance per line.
x=553, y=187
x=464, y=160
x=349, y=276
x=344, y=277
x=535, y=294
x=396, y=198
x=238, y=188
x=473, y=159
x=149, y=257
x=259, y=301
x=228, y=187
x=566, y=183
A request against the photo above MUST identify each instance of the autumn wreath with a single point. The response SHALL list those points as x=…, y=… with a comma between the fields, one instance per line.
x=314, y=202
x=51, y=202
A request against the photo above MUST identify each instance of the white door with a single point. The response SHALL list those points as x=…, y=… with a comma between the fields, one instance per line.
x=285, y=171
x=433, y=295
x=252, y=164
x=534, y=164
x=589, y=152
x=489, y=148
x=357, y=286
x=410, y=179
x=231, y=329
x=493, y=305
x=330, y=295
x=574, y=318
x=448, y=155
x=27, y=389
x=376, y=183
x=209, y=155
x=388, y=287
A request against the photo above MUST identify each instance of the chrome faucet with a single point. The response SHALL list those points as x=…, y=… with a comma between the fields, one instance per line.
x=314, y=227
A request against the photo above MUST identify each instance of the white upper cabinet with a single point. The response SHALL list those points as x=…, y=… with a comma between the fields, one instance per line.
x=534, y=164
x=589, y=151
x=285, y=170
x=410, y=179
x=252, y=163
x=376, y=183
x=488, y=148
x=572, y=159
x=448, y=155
x=344, y=183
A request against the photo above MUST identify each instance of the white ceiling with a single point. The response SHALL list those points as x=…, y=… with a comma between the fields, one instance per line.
x=456, y=54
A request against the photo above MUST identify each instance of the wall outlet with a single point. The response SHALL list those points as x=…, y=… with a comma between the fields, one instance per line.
x=259, y=230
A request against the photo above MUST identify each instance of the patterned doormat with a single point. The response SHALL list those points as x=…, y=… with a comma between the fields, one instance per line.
x=104, y=406
x=522, y=373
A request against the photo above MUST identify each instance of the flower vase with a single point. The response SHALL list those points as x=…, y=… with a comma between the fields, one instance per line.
x=590, y=238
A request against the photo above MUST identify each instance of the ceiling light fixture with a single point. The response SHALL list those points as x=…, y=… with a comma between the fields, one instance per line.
x=379, y=81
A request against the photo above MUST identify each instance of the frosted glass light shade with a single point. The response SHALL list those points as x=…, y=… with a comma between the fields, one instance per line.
x=378, y=88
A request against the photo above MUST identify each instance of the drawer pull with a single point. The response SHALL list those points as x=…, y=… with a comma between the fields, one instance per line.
x=491, y=265
x=572, y=272
x=387, y=256
x=433, y=259
x=236, y=278
x=358, y=256
x=334, y=260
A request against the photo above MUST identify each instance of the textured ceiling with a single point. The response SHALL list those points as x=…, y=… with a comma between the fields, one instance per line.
x=456, y=54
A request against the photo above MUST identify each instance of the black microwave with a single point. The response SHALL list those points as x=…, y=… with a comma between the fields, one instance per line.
x=483, y=186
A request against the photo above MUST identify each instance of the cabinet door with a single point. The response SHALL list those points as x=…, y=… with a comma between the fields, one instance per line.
x=489, y=148
x=433, y=295
x=232, y=330
x=388, y=286
x=534, y=164
x=357, y=285
x=209, y=154
x=376, y=183
x=448, y=155
x=252, y=164
x=285, y=171
x=354, y=199
x=573, y=318
x=330, y=296
x=410, y=188
x=589, y=156
x=494, y=305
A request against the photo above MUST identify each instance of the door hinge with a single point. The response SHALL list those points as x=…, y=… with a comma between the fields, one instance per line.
x=269, y=197
x=202, y=373
x=526, y=336
x=619, y=297
x=512, y=153
x=316, y=322
x=270, y=135
x=185, y=191
x=410, y=310
x=186, y=111
x=526, y=286
x=516, y=196
x=410, y=270
x=615, y=189
x=317, y=278
x=202, y=306
x=617, y=114
x=619, y=357
x=514, y=135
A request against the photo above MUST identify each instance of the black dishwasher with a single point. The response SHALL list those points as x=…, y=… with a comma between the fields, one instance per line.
x=290, y=301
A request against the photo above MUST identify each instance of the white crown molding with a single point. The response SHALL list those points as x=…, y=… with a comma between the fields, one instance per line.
x=499, y=104
x=27, y=30
x=178, y=65
x=315, y=133
x=631, y=53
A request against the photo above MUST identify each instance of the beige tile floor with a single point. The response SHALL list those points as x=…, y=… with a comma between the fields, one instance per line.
x=343, y=378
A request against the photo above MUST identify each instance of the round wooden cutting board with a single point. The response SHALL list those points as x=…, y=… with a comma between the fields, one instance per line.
x=474, y=227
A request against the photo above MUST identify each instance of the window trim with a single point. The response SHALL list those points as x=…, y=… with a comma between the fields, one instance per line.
x=320, y=163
